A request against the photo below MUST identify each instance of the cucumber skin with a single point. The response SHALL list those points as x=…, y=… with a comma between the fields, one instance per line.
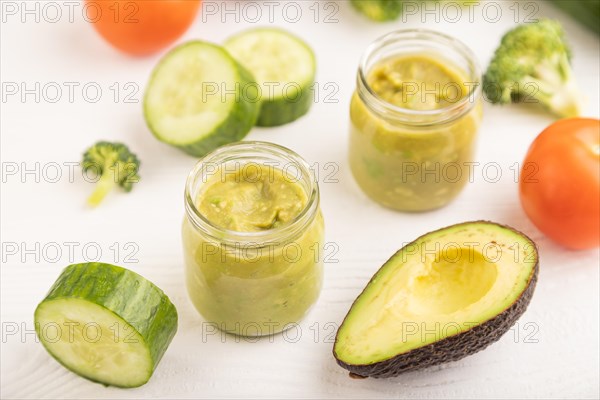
x=282, y=111
x=235, y=127
x=585, y=12
x=109, y=286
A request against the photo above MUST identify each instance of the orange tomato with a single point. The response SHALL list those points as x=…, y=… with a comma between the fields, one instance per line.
x=141, y=27
x=560, y=182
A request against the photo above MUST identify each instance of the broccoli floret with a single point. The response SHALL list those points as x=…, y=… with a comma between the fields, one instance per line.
x=115, y=164
x=533, y=63
x=379, y=10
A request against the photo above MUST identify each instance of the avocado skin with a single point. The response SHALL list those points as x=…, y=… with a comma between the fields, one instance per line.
x=452, y=348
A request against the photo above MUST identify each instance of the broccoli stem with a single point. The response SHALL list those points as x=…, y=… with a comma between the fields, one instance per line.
x=563, y=98
x=105, y=184
x=566, y=102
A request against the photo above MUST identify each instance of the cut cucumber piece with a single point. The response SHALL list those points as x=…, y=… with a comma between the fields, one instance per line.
x=200, y=98
x=106, y=323
x=285, y=68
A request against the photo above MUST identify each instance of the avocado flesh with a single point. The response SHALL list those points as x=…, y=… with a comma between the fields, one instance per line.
x=448, y=294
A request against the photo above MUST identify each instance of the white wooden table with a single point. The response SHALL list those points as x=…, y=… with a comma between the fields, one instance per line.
x=552, y=352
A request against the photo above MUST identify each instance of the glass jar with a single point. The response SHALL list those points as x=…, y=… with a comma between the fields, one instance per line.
x=415, y=159
x=253, y=283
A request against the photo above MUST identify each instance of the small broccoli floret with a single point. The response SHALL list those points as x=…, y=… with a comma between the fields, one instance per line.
x=379, y=10
x=115, y=165
x=533, y=63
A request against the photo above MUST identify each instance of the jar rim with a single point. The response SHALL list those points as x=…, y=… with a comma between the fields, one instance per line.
x=234, y=152
x=411, y=116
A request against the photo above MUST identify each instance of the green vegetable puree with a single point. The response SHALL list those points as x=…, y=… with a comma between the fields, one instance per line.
x=252, y=288
x=253, y=198
x=417, y=82
x=408, y=167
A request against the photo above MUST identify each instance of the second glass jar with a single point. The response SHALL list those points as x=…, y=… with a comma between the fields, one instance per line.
x=408, y=155
x=253, y=282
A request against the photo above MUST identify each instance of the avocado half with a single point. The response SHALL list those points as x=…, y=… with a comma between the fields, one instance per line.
x=447, y=295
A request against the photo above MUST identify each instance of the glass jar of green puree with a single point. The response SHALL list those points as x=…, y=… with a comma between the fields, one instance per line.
x=414, y=119
x=251, y=238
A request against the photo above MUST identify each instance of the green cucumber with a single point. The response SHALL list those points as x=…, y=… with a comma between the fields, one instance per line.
x=200, y=98
x=587, y=12
x=106, y=324
x=285, y=68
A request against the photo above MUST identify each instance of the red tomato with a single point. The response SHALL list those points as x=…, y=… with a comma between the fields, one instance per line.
x=560, y=182
x=141, y=27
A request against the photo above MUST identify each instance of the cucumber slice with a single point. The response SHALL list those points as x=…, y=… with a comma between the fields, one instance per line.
x=283, y=65
x=200, y=98
x=106, y=324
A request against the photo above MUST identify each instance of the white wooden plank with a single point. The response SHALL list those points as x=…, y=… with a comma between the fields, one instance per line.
x=561, y=362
